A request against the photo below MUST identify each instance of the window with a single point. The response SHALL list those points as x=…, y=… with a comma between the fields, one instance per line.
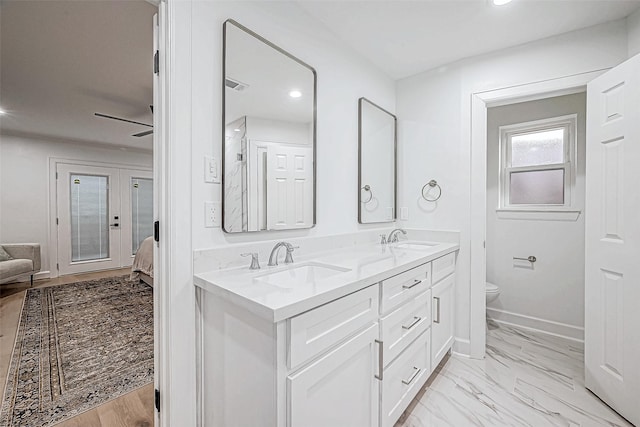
x=538, y=164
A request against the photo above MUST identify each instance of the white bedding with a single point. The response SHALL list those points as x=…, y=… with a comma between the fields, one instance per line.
x=143, y=261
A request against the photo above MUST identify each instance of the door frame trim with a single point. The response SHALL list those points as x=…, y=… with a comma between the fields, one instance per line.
x=53, y=200
x=480, y=102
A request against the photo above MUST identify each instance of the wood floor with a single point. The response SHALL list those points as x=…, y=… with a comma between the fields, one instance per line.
x=134, y=409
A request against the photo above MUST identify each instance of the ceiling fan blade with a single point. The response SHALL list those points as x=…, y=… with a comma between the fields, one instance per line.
x=145, y=133
x=106, y=116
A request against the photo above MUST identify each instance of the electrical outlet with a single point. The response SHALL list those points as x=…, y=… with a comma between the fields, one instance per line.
x=211, y=170
x=212, y=214
x=404, y=213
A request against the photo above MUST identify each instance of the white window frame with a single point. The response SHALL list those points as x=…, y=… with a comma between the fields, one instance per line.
x=539, y=211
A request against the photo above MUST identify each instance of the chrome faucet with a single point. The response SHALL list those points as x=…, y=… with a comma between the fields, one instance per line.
x=273, y=258
x=255, y=263
x=393, y=236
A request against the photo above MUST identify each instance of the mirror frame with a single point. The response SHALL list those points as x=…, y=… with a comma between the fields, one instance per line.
x=314, y=134
x=395, y=162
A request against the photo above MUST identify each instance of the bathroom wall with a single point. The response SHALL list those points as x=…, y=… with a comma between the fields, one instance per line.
x=434, y=111
x=343, y=77
x=279, y=131
x=633, y=33
x=550, y=296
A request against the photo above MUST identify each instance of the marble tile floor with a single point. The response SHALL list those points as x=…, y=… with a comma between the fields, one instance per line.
x=526, y=379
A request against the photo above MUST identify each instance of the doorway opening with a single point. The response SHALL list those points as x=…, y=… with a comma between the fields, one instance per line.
x=535, y=214
x=79, y=145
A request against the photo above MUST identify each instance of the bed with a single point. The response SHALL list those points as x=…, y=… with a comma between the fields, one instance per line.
x=142, y=268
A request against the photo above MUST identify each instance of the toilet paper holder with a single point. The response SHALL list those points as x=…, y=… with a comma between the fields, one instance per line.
x=530, y=258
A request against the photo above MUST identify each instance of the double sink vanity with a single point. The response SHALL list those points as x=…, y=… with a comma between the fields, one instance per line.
x=348, y=328
x=345, y=335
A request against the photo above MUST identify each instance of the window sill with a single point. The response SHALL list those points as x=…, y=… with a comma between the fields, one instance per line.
x=539, y=214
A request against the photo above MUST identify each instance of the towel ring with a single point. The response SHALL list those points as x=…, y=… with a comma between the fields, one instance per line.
x=433, y=183
x=368, y=189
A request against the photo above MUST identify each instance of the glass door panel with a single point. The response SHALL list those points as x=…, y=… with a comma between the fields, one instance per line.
x=141, y=211
x=89, y=217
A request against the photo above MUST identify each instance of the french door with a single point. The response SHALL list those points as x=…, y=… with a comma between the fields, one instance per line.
x=103, y=214
x=612, y=275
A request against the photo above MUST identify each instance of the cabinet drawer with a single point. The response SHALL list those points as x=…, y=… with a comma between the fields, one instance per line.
x=404, y=286
x=404, y=377
x=316, y=330
x=443, y=266
x=399, y=328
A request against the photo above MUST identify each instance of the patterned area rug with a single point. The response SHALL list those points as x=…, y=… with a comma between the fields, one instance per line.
x=77, y=347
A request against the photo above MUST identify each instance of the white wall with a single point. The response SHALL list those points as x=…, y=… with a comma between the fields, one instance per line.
x=269, y=130
x=434, y=111
x=553, y=291
x=633, y=33
x=343, y=77
x=24, y=183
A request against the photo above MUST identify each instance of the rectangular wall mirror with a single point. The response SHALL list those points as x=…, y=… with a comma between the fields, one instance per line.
x=376, y=163
x=269, y=121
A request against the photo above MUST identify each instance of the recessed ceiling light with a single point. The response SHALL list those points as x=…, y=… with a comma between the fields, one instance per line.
x=501, y=2
x=295, y=94
x=236, y=130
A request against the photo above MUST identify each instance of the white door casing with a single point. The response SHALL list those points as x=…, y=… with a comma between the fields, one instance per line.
x=118, y=199
x=612, y=238
x=64, y=184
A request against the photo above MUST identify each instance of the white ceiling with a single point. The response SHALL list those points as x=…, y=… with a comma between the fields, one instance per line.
x=61, y=61
x=406, y=37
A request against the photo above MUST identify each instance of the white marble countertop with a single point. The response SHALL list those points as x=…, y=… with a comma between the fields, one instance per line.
x=354, y=268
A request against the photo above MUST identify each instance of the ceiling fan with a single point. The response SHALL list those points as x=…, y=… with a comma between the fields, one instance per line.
x=137, y=135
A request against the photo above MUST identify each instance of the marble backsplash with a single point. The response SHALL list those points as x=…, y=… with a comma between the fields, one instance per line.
x=228, y=256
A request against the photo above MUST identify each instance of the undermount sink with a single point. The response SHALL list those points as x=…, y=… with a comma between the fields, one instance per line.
x=416, y=246
x=309, y=272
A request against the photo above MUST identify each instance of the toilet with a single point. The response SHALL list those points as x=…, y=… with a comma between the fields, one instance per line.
x=492, y=292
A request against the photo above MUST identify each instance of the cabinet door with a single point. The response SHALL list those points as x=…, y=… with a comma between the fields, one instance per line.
x=404, y=378
x=442, y=318
x=339, y=389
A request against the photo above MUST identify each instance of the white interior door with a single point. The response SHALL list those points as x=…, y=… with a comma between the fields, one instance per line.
x=103, y=214
x=88, y=218
x=289, y=186
x=612, y=272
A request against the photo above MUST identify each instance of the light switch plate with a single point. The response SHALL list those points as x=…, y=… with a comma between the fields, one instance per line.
x=404, y=213
x=211, y=170
x=212, y=214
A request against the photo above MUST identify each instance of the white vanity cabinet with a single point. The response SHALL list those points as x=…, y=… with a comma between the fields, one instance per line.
x=356, y=361
x=443, y=295
x=338, y=389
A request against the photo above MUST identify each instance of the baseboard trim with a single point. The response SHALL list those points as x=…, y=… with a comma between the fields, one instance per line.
x=39, y=275
x=549, y=327
x=461, y=347
x=42, y=275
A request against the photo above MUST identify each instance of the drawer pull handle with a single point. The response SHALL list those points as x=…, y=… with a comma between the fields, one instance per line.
x=437, y=319
x=413, y=377
x=415, y=283
x=380, y=361
x=416, y=319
